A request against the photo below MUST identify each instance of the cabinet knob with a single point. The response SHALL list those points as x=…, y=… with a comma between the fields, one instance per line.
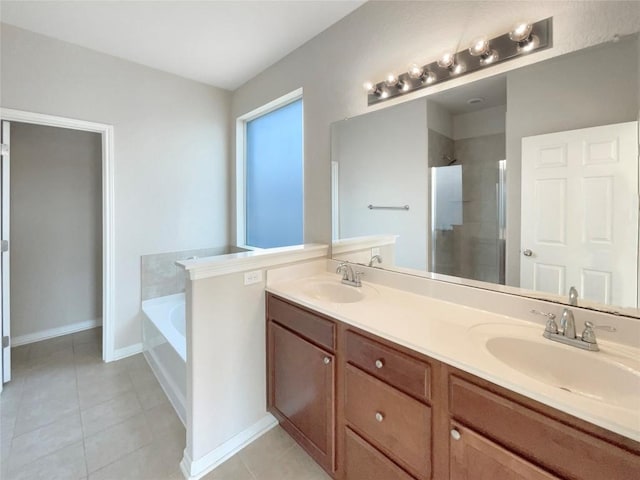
x=379, y=363
x=379, y=417
x=326, y=360
x=455, y=434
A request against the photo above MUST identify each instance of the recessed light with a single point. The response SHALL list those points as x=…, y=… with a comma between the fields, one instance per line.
x=475, y=100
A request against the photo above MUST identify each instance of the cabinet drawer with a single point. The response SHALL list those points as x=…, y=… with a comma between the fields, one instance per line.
x=312, y=327
x=363, y=462
x=555, y=446
x=474, y=457
x=395, y=423
x=402, y=371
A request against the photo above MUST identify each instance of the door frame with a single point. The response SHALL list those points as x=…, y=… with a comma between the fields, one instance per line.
x=108, y=209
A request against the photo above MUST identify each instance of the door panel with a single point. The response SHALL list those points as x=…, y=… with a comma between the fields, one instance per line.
x=580, y=213
x=4, y=276
x=303, y=377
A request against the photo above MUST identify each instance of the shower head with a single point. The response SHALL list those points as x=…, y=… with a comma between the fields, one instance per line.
x=448, y=158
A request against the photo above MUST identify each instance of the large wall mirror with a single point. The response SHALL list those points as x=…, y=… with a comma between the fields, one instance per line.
x=526, y=181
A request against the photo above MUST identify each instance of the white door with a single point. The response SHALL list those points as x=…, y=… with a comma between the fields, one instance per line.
x=4, y=276
x=580, y=213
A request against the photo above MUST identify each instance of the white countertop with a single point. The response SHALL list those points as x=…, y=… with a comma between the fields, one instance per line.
x=449, y=332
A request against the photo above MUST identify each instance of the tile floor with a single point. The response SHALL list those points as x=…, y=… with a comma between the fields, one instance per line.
x=67, y=415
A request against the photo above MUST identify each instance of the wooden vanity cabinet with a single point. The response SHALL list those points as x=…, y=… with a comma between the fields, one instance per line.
x=386, y=395
x=367, y=409
x=301, y=377
x=498, y=425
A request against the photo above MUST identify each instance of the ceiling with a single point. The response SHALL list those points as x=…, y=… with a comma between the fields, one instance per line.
x=492, y=91
x=222, y=43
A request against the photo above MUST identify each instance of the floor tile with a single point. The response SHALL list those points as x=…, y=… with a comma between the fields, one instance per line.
x=295, y=464
x=114, y=442
x=232, y=469
x=164, y=421
x=65, y=464
x=268, y=449
x=156, y=461
x=150, y=394
x=30, y=446
x=100, y=388
x=93, y=336
x=44, y=408
x=48, y=347
x=110, y=413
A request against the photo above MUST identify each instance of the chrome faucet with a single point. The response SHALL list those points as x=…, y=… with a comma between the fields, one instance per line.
x=566, y=333
x=349, y=277
x=573, y=297
x=378, y=258
x=568, y=324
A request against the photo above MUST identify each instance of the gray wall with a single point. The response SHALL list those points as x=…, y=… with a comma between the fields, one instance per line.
x=56, y=228
x=595, y=87
x=383, y=161
x=171, y=139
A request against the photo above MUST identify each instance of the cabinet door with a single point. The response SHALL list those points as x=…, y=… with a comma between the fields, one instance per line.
x=474, y=457
x=363, y=462
x=302, y=392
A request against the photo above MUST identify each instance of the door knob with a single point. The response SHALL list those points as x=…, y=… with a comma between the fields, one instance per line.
x=455, y=434
x=326, y=360
x=527, y=253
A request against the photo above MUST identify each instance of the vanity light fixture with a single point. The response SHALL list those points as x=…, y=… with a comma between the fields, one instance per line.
x=523, y=35
x=522, y=39
x=416, y=72
x=482, y=48
x=449, y=62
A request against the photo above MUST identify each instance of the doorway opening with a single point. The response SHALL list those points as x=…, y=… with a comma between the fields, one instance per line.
x=58, y=223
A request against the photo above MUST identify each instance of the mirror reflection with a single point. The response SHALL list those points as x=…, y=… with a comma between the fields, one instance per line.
x=528, y=179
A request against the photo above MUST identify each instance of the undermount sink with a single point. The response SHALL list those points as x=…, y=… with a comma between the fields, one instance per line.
x=607, y=378
x=335, y=292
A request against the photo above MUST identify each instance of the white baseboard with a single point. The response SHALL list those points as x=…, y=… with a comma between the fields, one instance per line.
x=55, y=332
x=125, y=352
x=193, y=470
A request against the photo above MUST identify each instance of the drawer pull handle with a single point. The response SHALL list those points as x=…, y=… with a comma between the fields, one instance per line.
x=455, y=434
x=379, y=417
x=379, y=364
x=326, y=360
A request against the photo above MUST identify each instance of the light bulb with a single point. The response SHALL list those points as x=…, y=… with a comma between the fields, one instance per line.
x=369, y=87
x=479, y=47
x=529, y=44
x=489, y=57
x=446, y=60
x=415, y=71
x=429, y=77
x=391, y=80
x=520, y=32
x=457, y=68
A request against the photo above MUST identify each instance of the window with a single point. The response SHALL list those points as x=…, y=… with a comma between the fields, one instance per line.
x=270, y=204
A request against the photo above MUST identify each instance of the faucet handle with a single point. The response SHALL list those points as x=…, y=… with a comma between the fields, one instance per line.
x=588, y=335
x=551, y=325
x=357, y=277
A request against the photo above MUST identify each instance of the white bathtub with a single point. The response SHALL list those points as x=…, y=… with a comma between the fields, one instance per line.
x=165, y=346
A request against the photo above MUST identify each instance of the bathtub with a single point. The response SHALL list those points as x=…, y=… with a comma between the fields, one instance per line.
x=165, y=346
